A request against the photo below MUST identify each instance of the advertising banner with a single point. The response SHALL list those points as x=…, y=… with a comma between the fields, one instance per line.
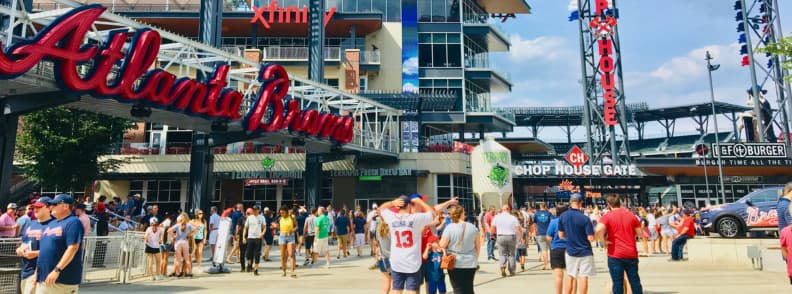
x=490, y=165
x=410, y=46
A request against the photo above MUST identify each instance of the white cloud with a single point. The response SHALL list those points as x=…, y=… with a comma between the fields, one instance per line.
x=692, y=65
x=409, y=88
x=573, y=5
x=410, y=66
x=545, y=48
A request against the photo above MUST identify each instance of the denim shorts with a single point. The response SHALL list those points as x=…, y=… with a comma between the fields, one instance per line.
x=286, y=239
x=409, y=282
x=384, y=265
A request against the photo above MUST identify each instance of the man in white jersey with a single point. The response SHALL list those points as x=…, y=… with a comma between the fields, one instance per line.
x=405, y=228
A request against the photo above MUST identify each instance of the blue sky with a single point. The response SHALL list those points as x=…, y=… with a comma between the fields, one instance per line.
x=663, y=45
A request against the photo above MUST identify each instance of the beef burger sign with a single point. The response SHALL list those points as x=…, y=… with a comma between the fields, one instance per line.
x=62, y=42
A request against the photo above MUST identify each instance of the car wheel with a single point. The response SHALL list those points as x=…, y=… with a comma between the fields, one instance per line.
x=729, y=227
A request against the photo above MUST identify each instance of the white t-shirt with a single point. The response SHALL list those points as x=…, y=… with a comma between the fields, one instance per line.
x=214, y=221
x=254, y=224
x=505, y=224
x=406, y=239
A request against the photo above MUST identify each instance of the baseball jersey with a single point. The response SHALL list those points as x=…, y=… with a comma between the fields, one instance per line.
x=406, y=239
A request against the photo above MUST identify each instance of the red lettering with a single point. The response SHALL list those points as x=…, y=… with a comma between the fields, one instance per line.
x=62, y=42
x=606, y=64
x=285, y=14
x=605, y=46
x=601, y=6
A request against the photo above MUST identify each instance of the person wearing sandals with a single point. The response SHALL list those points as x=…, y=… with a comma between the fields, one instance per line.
x=166, y=247
x=287, y=226
x=460, y=238
x=199, y=223
x=181, y=234
x=382, y=234
x=153, y=239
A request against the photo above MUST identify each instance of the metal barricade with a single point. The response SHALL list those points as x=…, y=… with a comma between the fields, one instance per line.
x=133, y=265
x=102, y=256
x=10, y=265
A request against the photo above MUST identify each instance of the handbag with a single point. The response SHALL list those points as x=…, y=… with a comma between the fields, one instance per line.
x=449, y=260
x=646, y=233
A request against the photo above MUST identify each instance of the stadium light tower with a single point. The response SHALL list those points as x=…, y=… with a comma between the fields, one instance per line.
x=710, y=68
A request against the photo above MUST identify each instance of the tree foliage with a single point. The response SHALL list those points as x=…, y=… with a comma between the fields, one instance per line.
x=782, y=48
x=61, y=146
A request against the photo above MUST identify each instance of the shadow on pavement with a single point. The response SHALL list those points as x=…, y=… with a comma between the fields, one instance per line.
x=142, y=288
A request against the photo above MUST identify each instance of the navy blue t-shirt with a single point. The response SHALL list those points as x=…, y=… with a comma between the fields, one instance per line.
x=342, y=224
x=56, y=237
x=360, y=225
x=577, y=227
x=784, y=216
x=235, y=216
x=300, y=223
x=542, y=219
x=32, y=235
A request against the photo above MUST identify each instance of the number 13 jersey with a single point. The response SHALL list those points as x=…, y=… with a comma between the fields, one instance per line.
x=405, y=236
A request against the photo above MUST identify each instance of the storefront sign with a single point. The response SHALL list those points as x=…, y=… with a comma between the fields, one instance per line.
x=266, y=14
x=576, y=160
x=62, y=41
x=564, y=170
x=298, y=174
x=603, y=26
x=382, y=172
x=757, y=162
x=266, y=182
x=742, y=179
x=750, y=150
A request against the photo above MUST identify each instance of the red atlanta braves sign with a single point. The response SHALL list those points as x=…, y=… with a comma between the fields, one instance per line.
x=62, y=43
x=603, y=26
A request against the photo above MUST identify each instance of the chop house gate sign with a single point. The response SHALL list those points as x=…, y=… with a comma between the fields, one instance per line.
x=62, y=42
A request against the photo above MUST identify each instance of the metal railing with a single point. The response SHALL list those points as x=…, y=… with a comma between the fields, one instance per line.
x=120, y=6
x=370, y=57
x=482, y=61
x=299, y=53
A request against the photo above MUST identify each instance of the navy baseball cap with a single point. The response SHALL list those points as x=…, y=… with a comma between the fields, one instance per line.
x=41, y=202
x=406, y=200
x=62, y=198
x=576, y=198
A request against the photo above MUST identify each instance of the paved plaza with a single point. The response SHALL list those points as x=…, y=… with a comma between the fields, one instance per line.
x=351, y=276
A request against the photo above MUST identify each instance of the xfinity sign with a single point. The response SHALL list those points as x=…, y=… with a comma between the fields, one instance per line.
x=750, y=150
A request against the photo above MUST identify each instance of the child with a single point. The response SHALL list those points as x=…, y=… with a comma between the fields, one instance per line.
x=786, y=247
x=434, y=274
x=522, y=249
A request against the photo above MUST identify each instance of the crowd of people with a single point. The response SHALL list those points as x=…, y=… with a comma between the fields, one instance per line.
x=412, y=243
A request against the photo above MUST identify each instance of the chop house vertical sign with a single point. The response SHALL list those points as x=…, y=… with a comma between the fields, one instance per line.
x=62, y=43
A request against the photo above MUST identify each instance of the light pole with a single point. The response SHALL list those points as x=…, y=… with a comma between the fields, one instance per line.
x=710, y=68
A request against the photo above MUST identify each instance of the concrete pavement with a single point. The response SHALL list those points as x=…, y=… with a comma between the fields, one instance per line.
x=351, y=276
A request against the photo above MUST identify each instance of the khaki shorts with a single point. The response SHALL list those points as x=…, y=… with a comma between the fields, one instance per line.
x=580, y=266
x=42, y=288
x=343, y=240
x=321, y=247
x=28, y=285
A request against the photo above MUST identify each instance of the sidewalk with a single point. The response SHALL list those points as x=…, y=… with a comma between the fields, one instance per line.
x=351, y=276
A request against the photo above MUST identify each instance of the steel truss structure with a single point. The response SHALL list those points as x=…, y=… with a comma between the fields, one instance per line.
x=603, y=140
x=760, y=21
x=376, y=124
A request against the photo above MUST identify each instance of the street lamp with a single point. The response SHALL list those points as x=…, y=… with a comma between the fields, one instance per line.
x=710, y=68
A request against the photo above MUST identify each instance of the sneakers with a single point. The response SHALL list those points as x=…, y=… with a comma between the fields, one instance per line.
x=255, y=272
x=327, y=266
x=522, y=267
x=307, y=261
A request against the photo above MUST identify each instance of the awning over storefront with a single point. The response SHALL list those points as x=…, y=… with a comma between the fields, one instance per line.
x=731, y=167
x=223, y=163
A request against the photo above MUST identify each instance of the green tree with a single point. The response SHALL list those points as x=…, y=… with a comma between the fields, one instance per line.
x=782, y=48
x=61, y=146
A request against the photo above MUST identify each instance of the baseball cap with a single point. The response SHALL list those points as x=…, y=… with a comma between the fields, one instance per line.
x=153, y=220
x=79, y=206
x=12, y=205
x=41, y=202
x=374, y=206
x=62, y=198
x=576, y=198
x=266, y=208
x=406, y=200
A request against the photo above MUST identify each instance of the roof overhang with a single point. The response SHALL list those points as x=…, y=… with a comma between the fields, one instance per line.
x=505, y=6
x=496, y=41
x=689, y=167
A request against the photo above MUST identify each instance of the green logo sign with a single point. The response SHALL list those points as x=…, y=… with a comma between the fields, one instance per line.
x=267, y=163
x=499, y=176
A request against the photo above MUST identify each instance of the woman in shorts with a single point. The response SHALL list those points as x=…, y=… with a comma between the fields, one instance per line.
x=153, y=239
x=383, y=255
x=666, y=231
x=522, y=247
x=166, y=247
x=359, y=226
x=287, y=226
x=199, y=223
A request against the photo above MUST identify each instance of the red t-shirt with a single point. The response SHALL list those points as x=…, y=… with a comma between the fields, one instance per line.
x=687, y=222
x=427, y=233
x=620, y=225
x=488, y=218
x=100, y=208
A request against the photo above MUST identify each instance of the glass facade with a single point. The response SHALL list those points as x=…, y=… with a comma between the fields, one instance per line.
x=390, y=9
x=439, y=50
x=438, y=11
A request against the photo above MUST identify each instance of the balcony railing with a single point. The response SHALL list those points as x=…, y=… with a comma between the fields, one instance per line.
x=370, y=57
x=173, y=148
x=482, y=61
x=298, y=53
x=484, y=19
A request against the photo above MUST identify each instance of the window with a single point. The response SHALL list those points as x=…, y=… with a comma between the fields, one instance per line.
x=217, y=191
x=260, y=193
x=332, y=83
x=439, y=50
x=363, y=84
x=136, y=187
x=455, y=186
x=163, y=191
